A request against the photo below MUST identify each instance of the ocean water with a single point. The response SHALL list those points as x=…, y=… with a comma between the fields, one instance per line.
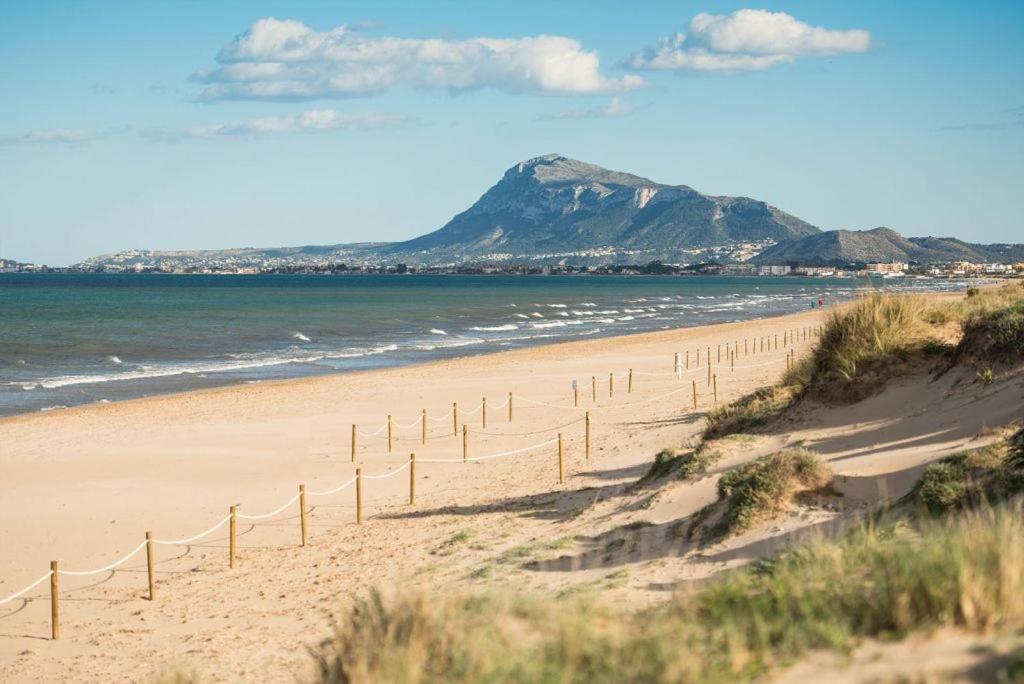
x=70, y=339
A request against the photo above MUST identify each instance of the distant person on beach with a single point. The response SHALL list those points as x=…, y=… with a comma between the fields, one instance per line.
x=821, y=302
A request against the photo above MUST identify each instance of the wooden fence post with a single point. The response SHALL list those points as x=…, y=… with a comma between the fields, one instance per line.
x=561, y=469
x=412, y=479
x=709, y=373
x=465, y=443
x=423, y=427
x=611, y=385
x=232, y=536
x=694, y=395
x=302, y=512
x=687, y=359
x=483, y=413
x=54, y=601
x=587, y=434
x=575, y=395
x=629, y=387
x=353, y=442
x=389, y=433
x=510, y=407
x=719, y=354
x=593, y=388
x=150, y=569
x=732, y=362
x=359, y=496
x=714, y=385
x=455, y=418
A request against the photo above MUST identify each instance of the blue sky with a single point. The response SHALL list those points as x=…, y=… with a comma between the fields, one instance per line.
x=185, y=125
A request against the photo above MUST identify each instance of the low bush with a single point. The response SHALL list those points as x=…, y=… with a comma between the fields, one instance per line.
x=759, y=490
x=972, y=478
x=685, y=464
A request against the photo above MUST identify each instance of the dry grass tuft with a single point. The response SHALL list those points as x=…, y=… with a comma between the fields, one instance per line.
x=760, y=490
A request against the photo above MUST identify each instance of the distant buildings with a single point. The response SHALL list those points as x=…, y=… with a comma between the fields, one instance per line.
x=884, y=268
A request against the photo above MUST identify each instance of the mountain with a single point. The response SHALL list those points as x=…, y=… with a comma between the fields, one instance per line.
x=555, y=205
x=837, y=247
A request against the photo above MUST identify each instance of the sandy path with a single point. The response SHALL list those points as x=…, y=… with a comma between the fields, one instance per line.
x=83, y=485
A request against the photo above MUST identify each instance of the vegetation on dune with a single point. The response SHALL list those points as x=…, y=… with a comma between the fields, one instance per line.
x=973, y=478
x=864, y=345
x=964, y=571
x=759, y=490
x=685, y=464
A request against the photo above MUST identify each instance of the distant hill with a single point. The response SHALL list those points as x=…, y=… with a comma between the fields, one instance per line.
x=556, y=205
x=836, y=247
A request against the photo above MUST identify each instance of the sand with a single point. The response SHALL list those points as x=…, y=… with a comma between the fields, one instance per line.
x=82, y=486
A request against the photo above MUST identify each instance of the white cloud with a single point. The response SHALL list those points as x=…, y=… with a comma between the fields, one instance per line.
x=747, y=40
x=615, y=107
x=312, y=121
x=285, y=59
x=52, y=136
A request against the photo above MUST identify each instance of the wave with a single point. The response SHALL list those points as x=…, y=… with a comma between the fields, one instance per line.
x=521, y=316
x=300, y=336
x=552, y=324
x=557, y=306
x=537, y=315
x=495, y=328
x=114, y=359
x=438, y=331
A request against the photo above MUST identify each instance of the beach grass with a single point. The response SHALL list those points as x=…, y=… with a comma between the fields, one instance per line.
x=973, y=478
x=964, y=572
x=758, y=491
x=683, y=463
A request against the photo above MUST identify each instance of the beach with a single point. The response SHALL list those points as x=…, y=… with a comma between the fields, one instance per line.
x=83, y=486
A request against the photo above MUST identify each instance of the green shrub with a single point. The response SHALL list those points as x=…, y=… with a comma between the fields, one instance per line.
x=687, y=464
x=758, y=408
x=971, y=478
x=757, y=491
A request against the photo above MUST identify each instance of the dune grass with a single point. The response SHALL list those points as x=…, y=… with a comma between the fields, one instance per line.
x=683, y=463
x=964, y=571
x=864, y=345
x=758, y=491
x=973, y=478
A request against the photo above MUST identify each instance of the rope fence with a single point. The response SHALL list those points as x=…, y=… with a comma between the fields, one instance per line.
x=789, y=339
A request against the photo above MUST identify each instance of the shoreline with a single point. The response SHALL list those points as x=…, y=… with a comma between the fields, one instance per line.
x=230, y=385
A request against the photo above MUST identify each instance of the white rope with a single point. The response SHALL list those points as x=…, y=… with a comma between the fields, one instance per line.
x=393, y=472
x=444, y=417
x=332, y=491
x=376, y=432
x=469, y=412
x=272, y=513
x=372, y=435
x=412, y=424
x=27, y=589
x=755, y=365
x=500, y=406
x=484, y=458
x=84, y=573
x=175, y=542
x=531, y=432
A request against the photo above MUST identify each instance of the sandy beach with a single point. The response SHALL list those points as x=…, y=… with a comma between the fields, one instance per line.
x=82, y=486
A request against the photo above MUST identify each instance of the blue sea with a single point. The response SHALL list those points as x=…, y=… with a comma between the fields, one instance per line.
x=71, y=339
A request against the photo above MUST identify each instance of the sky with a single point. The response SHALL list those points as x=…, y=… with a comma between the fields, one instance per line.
x=192, y=125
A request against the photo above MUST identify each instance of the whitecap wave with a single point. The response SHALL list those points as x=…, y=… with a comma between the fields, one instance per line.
x=300, y=336
x=495, y=328
x=438, y=331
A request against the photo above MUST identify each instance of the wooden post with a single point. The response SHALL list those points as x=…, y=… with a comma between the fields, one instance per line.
x=412, y=479
x=719, y=354
x=687, y=359
x=353, y=443
x=389, y=433
x=302, y=512
x=698, y=358
x=776, y=342
x=745, y=346
x=762, y=345
x=629, y=386
x=232, y=536
x=709, y=373
x=708, y=356
x=510, y=407
x=359, y=496
x=561, y=469
x=732, y=362
x=465, y=444
x=675, y=364
x=694, y=395
x=455, y=418
x=611, y=385
x=483, y=413
x=587, y=435
x=593, y=388
x=54, y=601
x=575, y=396
x=150, y=569
x=714, y=385
x=423, y=427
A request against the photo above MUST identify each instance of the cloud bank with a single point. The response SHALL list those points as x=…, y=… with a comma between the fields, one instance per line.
x=312, y=121
x=747, y=40
x=287, y=60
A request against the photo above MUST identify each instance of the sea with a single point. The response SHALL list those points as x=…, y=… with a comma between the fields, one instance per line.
x=72, y=339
